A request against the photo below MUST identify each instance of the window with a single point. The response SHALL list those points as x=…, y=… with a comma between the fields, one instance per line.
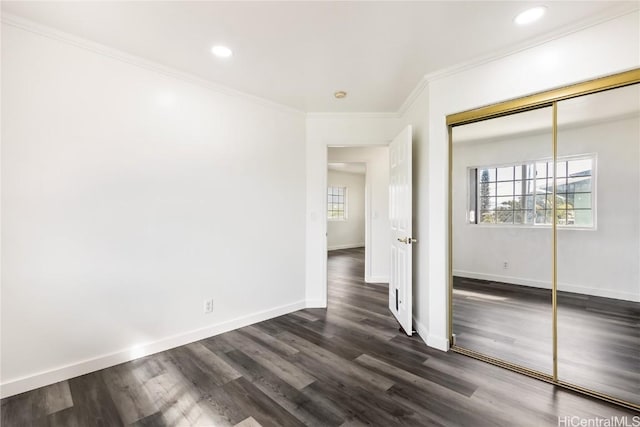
x=523, y=193
x=337, y=203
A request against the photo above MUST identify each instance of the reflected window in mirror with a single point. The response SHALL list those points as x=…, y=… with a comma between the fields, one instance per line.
x=522, y=193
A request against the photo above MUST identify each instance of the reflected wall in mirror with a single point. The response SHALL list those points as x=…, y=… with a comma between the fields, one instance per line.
x=502, y=196
x=598, y=238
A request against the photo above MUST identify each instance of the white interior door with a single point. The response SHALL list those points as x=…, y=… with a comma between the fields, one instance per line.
x=400, y=215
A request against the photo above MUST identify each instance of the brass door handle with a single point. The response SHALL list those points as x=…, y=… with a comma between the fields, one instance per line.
x=407, y=240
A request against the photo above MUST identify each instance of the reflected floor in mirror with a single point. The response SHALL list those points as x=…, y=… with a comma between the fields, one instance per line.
x=598, y=338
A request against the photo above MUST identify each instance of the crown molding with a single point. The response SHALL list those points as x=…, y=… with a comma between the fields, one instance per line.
x=422, y=85
x=51, y=33
x=503, y=53
x=347, y=115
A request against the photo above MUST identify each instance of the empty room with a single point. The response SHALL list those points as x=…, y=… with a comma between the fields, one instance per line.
x=320, y=213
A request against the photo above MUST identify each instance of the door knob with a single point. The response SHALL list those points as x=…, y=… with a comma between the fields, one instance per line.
x=407, y=240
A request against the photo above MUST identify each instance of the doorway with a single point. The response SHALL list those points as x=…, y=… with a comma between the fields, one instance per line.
x=358, y=215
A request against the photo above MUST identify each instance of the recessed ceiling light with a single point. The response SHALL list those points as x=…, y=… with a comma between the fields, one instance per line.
x=340, y=94
x=530, y=15
x=221, y=51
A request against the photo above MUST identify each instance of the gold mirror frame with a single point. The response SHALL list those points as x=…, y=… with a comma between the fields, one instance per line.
x=548, y=98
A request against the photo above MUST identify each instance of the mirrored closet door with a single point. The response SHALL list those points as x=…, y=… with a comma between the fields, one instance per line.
x=502, y=180
x=545, y=236
x=598, y=242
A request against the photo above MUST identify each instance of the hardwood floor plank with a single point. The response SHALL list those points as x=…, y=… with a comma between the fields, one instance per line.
x=258, y=405
x=293, y=400
x=344, y=367
x=92, y=402
x=205, y=402
x=248, y=422
x=63, y=418
x=270, y=360
x=132, y=402
x=269, y=341
x=208, y=361
x=57, y=397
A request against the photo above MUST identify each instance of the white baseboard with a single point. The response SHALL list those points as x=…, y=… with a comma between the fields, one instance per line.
x=66, y=372
x=566, y=287
x=437, y=342
x=376, y=279
x=429, y=340
x=347, y=246
x=316, y=304
x=422, y=330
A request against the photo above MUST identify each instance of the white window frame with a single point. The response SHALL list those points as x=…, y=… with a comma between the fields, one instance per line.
x=591, y=156
x=345, y=203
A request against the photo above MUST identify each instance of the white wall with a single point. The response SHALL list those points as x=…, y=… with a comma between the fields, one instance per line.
x=128, y=198
x=602, y=261
x=607, y=48
x=377, y=247
x=323, y=131
x=348, y=233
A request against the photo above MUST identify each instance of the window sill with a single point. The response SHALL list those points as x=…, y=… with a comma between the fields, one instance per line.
x=529, y=226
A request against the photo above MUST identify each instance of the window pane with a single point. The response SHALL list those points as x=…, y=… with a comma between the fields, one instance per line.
x=579, y=167
x=541, y=202
x=562, y=169
x=530, y=171
x=504, y=202
x=579, y=184
x=523, y=187
x=583, y=218
x=525, y=202
x=487, y=203
x=582, y=201
x=505, y=188
x=486, y=175
x=504, y=217
x=561, y=185
x=543, y=216
x=561, y=201
x=518, y=171
x=487, y=217
x=541, y=170
x=486, y=189
x=519, y=217
x=505, y=174
x=561, y=214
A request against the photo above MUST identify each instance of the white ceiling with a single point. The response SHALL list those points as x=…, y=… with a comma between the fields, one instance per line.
x=358, y=168
x=299, y=53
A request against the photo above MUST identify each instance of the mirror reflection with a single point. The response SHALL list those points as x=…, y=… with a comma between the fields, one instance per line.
x=598, y=187
x=502, y=184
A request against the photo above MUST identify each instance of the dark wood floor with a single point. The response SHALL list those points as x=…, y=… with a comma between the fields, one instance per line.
x=598, y=338
x=347, y=365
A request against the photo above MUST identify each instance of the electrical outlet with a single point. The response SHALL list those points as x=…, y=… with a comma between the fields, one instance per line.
x=505, y=265
x=208, y=306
